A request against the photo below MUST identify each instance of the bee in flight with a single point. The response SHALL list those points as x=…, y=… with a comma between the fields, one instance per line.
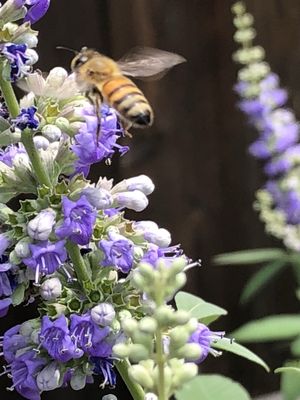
x=103, y=79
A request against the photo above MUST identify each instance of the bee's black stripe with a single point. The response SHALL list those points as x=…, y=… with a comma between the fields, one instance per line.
x=115, y=90
x=127, y=96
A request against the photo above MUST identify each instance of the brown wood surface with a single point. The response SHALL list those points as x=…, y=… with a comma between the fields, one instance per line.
x=196, y=150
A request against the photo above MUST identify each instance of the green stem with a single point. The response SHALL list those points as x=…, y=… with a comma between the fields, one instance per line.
x=160, y=360
x=135, y=390
x=78, y=262
x=37, y=165
x=9, y=96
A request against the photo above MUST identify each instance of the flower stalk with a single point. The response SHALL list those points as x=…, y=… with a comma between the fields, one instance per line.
x=78, y=262
x=9, y=95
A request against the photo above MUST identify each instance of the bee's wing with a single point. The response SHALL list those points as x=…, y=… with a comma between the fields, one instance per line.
x=146, y=62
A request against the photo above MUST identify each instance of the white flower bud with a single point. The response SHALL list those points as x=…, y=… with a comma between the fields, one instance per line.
x=142, y=183
x=140, y=374
x=28, y=327
x=56, y=77
x=40, y=227
x=51, y=132
x=153, y=234
x=134, y=200
x=51, y=289
x=29, y=38
x=103, y=314
x=49, y=378
x=62, y=123
x=32, y=56
x=22, y=249
x=150, y=396
x=99, y=198
x=40, y=142
x=21, y=161
x=109, y=397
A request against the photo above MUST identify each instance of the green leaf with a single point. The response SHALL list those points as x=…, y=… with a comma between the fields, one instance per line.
x=18, y=294
x=260, y=279
x=233, y=347
x=295, y=347
x=247, y=257
x=212, y=387
x=198, y=308
x=277, y=327
x=290, y=380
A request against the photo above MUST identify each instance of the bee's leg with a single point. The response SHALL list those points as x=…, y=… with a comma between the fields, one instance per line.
x=98, y=101
x=126, y=125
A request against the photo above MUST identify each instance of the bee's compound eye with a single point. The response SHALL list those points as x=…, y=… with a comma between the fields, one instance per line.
x=80, y=61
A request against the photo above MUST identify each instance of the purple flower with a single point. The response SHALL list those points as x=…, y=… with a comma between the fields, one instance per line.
x=15, y=54
x=79, y=220
x=88, y=336
x=4, y=306
x=4, y=243
x=9, y=153
x=11, y=342
x=168, y=254
x=118, y=252
x=36, y=9
x=24, y=370
x=204, y=337
x=46, y=257
x=104, y=367
x=5, y=285
x=26, y=119
x=88, y=149
x=55, y=338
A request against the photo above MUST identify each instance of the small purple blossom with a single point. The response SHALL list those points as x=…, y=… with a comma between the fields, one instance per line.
x=155, y=253
x=8, y=155
x=4, y=243
x=24, y=370
x=88, y=336
x=36, y=9
x=204, y=337
x=87, y=148
x=79, y=220
x=104, y=367
x=11, y=342
x=26, y=119
x=118, y=252
x=55, y=338
x=18, y=60
x=46, y=257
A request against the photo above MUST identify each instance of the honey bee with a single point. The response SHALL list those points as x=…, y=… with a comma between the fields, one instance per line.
x=103, y=80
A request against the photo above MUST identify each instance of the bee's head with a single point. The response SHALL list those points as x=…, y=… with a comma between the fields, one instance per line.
x=81, y=58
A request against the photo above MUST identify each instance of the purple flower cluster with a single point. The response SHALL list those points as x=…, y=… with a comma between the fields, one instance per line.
x=277, y=145
x=92, y=146
x=26, y=119
x=18, y=60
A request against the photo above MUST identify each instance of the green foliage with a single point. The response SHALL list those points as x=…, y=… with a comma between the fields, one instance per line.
x=212, y=387
x=290, y=380
x=235, y=348
x=246, y=257
x=277, y=327
x=198, y=308
x=260, y=279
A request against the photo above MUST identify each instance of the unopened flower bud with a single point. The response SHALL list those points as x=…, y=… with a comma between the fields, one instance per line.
x=135, y=200
x=141, y=375
x=29, y=38
x=49, y=378
x=142, y=183
x=152, y=233
x=178, y=336
x=78, y=380
x=121, y=350
x=51, y=132
x=62, y=123
x=28, y=327
x=148, y=325
x=124, y=314
x=190, y=352
x=103, y=314
x=51, y=289
x=40, y=227
x=22, y=249
x=32, y=56
x=181, y=317
x=109, y=397
x=163, y=315
x=99, y=198
x=40, y=142
x=184, y=373
x=56, y=77
x=150, y=396
x=129, y=325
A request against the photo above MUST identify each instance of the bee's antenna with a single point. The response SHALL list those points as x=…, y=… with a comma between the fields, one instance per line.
x=68, y=49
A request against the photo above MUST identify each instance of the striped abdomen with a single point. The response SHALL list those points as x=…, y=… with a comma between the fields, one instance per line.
x=123, y=95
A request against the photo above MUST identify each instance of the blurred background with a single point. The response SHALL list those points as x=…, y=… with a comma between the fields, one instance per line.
x=196, y=151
